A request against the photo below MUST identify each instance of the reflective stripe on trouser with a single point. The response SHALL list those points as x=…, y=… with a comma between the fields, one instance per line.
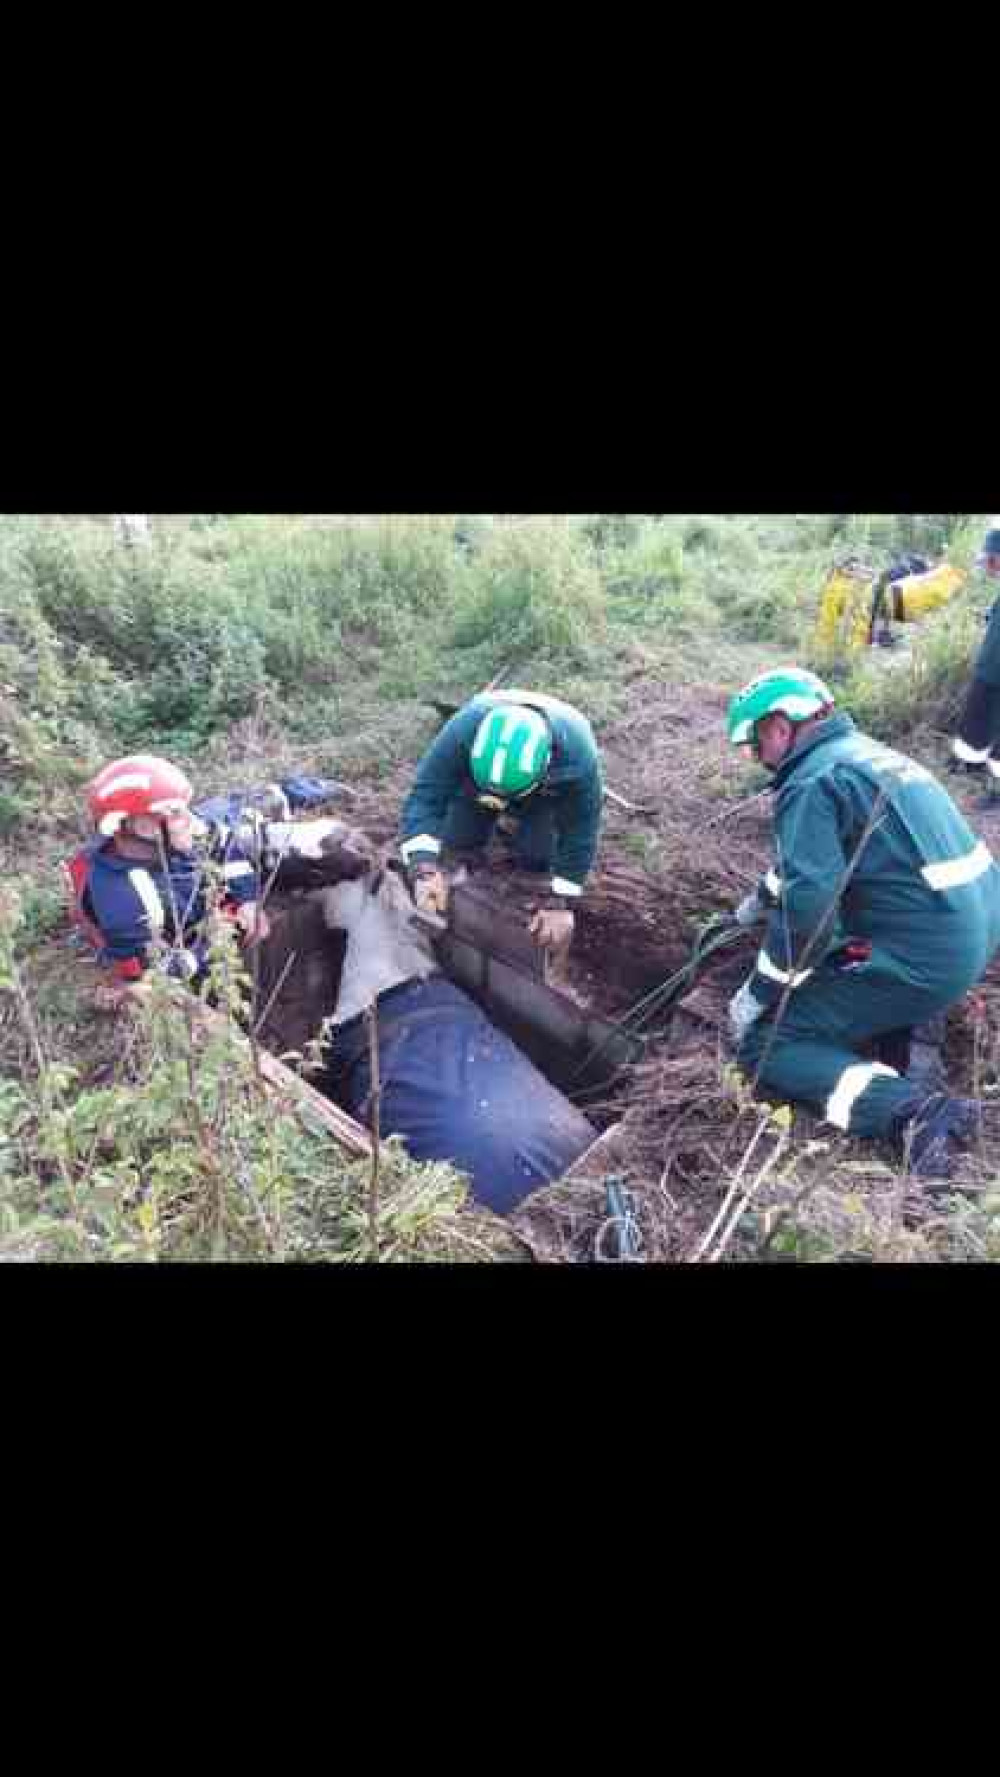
x=816, y=1047
x=467, y=827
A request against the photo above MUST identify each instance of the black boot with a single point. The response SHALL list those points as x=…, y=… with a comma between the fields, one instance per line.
x=916, y=1052
x=925, y=1069
x=892, y=1048
x=930, y=1131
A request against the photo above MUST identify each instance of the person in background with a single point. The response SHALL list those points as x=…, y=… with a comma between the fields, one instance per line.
x=979, y=723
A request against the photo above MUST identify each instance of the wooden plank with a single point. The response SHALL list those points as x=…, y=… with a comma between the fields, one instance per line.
x=599, y=1153
x=307, y=1102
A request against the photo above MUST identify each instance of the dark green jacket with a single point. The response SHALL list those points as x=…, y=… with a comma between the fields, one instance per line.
x=924, y=890
x=573, y=782
x=987, y=664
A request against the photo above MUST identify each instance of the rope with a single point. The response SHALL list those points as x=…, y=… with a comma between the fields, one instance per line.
x=712, y=936
x=709, y=940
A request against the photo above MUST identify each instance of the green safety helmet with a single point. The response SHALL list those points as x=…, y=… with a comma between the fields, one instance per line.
x=792, y=690
x=511, y=750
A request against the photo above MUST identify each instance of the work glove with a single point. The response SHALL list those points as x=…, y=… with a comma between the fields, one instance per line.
x=744, y=1011
x=751, y=910
x=552, y=927
x=430, y=889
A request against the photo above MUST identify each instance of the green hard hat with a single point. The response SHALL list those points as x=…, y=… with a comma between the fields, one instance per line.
x=792, y=690
x=511, y=750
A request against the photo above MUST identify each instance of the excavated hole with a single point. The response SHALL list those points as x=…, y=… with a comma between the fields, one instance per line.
x=613, y=962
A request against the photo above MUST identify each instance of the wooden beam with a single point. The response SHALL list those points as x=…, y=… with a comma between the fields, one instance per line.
x=309, y=1104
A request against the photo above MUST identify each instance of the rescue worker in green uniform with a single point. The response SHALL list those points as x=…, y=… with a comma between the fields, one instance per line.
x=882, y=909
x=975, y=743
x=524, y=755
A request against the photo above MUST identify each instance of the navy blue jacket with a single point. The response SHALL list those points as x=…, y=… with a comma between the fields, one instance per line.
x=135, y=904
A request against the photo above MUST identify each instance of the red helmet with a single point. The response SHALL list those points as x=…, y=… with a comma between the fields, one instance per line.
x=140, y=784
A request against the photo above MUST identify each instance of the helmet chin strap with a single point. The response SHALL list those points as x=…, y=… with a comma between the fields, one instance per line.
x=157, y=822
x=152, y=844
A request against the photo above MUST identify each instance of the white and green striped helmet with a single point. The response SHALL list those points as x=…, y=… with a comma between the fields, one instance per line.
x=792, y=690
x=511, y=750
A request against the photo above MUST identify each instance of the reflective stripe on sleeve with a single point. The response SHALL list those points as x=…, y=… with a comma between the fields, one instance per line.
x=561, y=885
x=772, y=882
x=148, y=894
x=773, y=973
x=853, y=1081
x=952, y=872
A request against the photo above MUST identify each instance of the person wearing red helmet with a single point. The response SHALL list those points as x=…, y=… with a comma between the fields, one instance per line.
x=146, y=881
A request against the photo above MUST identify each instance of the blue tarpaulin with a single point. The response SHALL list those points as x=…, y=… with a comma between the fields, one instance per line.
x=455, y=1088
x=302, y=792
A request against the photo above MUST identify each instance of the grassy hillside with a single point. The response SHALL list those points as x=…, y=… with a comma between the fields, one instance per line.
x=248, y=645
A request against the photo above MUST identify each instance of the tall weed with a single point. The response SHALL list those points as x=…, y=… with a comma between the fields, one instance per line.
x=531, y=589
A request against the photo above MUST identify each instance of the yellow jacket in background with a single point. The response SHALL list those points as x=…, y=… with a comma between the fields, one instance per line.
x=854, y=597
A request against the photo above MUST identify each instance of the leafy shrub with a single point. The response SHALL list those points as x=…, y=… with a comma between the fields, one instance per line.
x=13, y=810
x=473, y=530
x=209, y=675
x=41, y=911
x=892, y=699
x=91, y=592
x=531, y=589
x=611, y=530
x=885, y=532
x=188, y=1157
x=652, y=566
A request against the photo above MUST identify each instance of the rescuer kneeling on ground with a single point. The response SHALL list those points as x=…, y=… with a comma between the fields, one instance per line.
x=144, y=876
x=882, y=909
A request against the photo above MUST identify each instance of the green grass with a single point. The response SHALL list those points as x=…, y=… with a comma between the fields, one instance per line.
x=103, y=649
